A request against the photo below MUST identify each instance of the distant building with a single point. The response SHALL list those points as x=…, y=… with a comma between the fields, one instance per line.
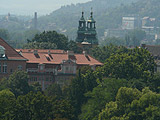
x=10, y=60
x=131, y=22
x=155, y=51
x=147, y=21
x=49, y=66
x=119, y=33
x=87, y=31
x=35, y=20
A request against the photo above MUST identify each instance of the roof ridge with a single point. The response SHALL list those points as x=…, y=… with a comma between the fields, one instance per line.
x=12, y=48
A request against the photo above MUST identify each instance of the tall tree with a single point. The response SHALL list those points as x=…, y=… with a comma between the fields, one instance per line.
x=52, y=37
x=18, y=83
x=7, y=105
x=4, y=34
x=132, y=104
x=137, y=63
x=99, y=96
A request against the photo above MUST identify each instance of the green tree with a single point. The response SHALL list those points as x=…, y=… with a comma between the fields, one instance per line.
x=113, y=40
x=76, y=93
x=18, y=83
x=54, y=90
x=33, y=106
x=137, y=63
x=131, y=104
x=103, y=53
x=40, y=45
x=134, y=37
x=62, y=109
x=72, y=45
x=99, y=96
x=7, y=105
x=4, y=34
x=154, y=82
x=60, y=40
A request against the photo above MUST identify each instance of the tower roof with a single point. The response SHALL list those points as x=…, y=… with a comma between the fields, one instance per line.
x=91, y=19
x=82, y=18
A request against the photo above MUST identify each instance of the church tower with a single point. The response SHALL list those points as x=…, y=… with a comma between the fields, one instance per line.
x=87, y=31
x=91, y=34
x=81, y=29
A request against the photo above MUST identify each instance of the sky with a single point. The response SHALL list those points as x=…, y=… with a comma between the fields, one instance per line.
x=28, y=7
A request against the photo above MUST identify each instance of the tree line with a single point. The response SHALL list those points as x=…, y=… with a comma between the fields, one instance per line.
x=126, y=87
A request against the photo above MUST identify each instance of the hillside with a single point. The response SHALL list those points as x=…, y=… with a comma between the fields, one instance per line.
x=107, y=13
x=66, y=18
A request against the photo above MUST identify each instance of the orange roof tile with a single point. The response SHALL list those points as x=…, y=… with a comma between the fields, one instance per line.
x=40, y=50
x=57, y=58
x=10, y=52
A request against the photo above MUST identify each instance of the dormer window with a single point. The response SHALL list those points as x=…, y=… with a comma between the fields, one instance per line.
x=2, y=52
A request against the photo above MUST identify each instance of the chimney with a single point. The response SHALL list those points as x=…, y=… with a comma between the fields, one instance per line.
x=35, y=52
x=35, y=20
x=70, y=53
x=85, y=53
x=49, y=52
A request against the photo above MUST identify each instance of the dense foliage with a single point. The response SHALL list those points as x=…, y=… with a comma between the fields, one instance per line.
x=132, y=104
x=52, y=40
x=125, y=88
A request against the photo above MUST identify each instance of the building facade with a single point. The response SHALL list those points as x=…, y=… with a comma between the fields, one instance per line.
x=49, y=66
x=10, y=60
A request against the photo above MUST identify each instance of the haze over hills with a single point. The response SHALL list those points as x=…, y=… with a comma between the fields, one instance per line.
x=107, y=13
x=66, y=18
x=27, y=7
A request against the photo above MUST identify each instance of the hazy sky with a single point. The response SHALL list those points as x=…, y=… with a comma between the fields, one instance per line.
x=28, y=7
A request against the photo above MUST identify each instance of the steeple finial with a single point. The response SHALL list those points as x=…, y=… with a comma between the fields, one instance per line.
x=91, y=12
x=82, y=14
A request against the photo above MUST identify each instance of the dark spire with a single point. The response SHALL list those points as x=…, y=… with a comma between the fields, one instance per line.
x=91, y=12
x=82, y=14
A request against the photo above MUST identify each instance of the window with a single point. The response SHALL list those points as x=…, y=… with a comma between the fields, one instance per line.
x=67, y=68
x=0, y=67
x=11, y=71
x=19, y=67
x=4, y=67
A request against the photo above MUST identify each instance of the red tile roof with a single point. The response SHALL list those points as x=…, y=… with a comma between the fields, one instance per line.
x=10, y=52
x=40, y=50
x=57, y=58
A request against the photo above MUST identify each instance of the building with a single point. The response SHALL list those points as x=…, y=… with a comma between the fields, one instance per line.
x=155, y=51
x=131, y=22
x=49, y=66
x=87, y=31
x=119, y=33
x=10, y=60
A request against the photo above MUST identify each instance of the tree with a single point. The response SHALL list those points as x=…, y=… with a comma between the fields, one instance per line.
x=154, y=82
x=99, y=96
x=60, y=40
x=72, y=45
x=137, y=63
x=76, y=95
x=131, y=104
x=40, y=45
x=114, y=41
x=103, y=53
x=134, y=37
x=18, y=83
x=62, y=109
x=7, y=105
x=33, y=106
x=4, y=34
x=54, y=90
